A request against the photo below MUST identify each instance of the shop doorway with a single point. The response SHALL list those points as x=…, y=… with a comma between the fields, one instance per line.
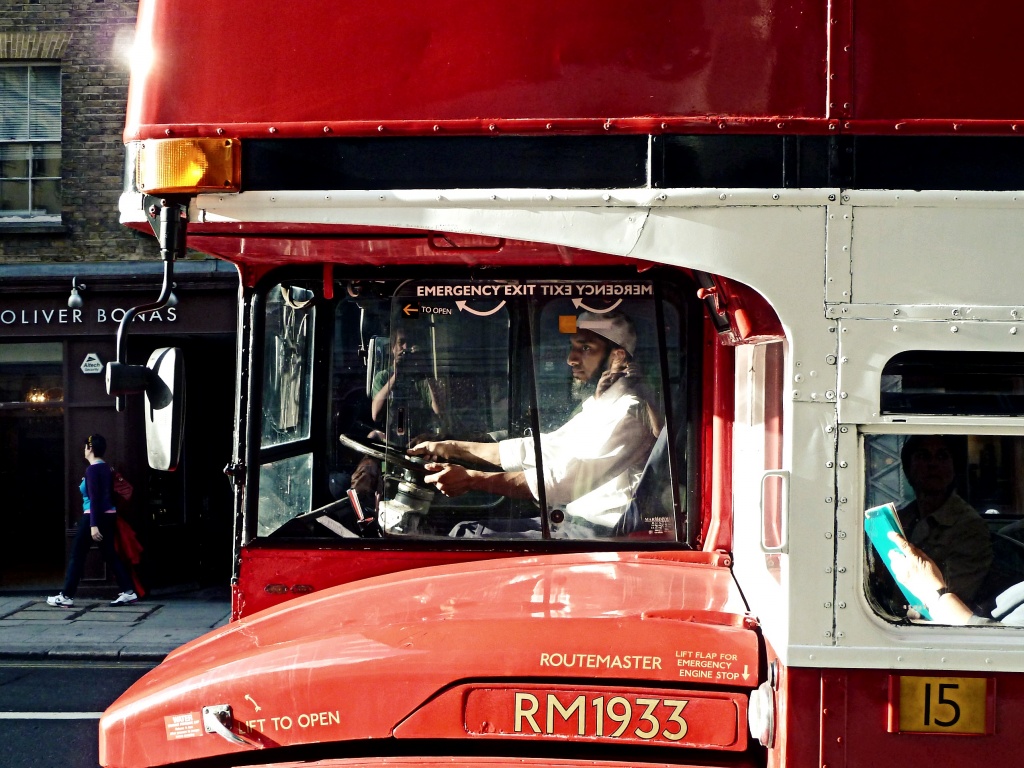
x=32, y=468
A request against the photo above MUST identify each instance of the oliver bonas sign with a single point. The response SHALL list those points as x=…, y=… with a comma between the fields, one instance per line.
x=38, y=319
x=75, y=316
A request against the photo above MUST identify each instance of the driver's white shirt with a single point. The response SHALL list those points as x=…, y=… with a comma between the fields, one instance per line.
x=592, y=463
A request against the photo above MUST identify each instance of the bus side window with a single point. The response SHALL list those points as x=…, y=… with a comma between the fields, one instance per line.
x=958, y=500
x=288, y=344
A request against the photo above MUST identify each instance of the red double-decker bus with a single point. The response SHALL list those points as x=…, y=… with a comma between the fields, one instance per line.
x=588, y=355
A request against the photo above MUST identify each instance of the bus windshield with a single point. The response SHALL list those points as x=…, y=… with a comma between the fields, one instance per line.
x=469, y=409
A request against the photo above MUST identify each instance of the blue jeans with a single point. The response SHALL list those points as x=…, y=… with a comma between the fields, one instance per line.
x=107, y=523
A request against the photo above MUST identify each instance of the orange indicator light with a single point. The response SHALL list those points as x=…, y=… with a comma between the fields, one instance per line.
x=182, y=166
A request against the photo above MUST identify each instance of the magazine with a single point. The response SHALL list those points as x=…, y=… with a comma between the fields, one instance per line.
x=878, y=522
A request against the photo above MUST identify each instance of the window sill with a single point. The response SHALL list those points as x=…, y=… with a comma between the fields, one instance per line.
x=29, y=227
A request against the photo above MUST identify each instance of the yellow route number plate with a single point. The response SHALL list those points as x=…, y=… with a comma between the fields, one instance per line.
x=955, y=705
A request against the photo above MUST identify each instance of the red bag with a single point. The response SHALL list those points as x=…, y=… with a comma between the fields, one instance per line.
x=128, y=547
x=122, y=488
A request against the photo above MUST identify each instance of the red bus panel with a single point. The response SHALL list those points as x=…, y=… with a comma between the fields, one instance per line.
x=298, y=68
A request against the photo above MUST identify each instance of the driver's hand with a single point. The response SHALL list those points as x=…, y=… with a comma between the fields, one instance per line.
x=432, y=450
x=450, y=479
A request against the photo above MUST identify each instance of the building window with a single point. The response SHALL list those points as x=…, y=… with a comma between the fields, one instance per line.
x=32, y=373
x=30, y=121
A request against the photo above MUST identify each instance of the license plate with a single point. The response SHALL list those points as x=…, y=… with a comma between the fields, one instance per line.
x=955, y=705
x=659, y=717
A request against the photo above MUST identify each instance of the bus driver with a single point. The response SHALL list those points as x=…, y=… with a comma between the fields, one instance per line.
x=590, y=465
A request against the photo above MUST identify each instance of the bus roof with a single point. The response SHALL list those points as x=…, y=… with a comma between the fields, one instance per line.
x=346, y=67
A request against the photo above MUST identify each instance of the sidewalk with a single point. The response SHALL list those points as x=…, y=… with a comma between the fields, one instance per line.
x=146, y=630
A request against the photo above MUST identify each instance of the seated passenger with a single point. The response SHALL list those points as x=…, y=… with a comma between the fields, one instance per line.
x=939, y=522
x=922, y=576
x=417, y=398
x=590, y=465
x=417, y=407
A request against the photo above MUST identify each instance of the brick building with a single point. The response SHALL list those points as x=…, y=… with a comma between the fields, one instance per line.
x=63, y=86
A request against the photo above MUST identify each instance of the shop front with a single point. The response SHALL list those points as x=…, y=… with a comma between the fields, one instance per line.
x=54, y=344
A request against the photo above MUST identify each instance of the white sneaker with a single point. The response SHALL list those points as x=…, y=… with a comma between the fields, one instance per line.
x=125, y=598
x=60, y=601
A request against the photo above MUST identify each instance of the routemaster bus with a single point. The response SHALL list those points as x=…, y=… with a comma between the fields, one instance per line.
x=617, y=384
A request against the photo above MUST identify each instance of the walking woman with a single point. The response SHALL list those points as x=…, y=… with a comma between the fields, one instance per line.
x=98, y=523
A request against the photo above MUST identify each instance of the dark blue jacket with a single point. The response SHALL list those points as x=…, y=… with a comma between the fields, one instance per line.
x=99, y=487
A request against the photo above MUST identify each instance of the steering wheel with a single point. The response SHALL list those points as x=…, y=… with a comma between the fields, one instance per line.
x=412, y=493
x=382, y=452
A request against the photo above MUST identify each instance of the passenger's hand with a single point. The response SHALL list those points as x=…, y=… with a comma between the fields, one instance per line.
x=438, y=399
x=96, y=535
x=405, y=366
x=913, y=568
x=616, y=370
x=450, y=479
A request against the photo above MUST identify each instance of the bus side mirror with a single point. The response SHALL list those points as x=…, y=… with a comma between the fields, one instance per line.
x=162, y=379
x=165, y=407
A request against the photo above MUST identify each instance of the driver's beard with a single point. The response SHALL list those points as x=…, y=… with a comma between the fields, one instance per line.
x=582, y=390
